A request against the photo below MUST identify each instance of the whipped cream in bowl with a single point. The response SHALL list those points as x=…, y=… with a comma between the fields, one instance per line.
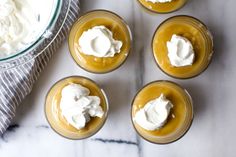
x=24, y=26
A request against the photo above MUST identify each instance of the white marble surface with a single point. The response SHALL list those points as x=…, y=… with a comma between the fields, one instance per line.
x=212, y=132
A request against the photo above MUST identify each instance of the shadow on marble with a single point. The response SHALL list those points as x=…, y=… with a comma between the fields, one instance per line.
x=199, y=96
x=216, y=27
x=220, y=46
x=83, y=6
x=119, y=93
x=196, y=3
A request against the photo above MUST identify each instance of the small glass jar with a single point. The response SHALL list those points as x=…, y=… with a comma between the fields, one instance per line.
x=179, y=119
x=192, y=29
x=162, y=8
x=116, y=25
x=57, y=121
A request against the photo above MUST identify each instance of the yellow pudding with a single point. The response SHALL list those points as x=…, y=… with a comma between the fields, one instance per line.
x=179, y=119
x=163, y=7
x=58, y=122
x=192, y=29
x=120, y=32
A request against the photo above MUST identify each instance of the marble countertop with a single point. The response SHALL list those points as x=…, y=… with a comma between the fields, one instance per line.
x=212, y=132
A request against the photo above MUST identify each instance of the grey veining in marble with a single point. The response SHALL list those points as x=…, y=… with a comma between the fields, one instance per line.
x=213, y=92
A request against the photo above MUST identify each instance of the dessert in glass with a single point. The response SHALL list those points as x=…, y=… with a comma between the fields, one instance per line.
x=182, y=47
x=100, y=41
x=76, y=107
x=162, y=6
x=162, y=112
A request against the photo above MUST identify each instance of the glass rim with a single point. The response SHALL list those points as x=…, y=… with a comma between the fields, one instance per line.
x=105, y=113
x=157, y=12
x=188, y=125
x=123, y=22
x=44, y=44
x=51, y=22
x=211, y=53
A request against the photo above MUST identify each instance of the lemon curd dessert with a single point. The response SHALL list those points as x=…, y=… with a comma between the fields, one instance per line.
x=162, y=6
x=162, y=112
x=100, y=41
x=76, y=107
x=182, y=47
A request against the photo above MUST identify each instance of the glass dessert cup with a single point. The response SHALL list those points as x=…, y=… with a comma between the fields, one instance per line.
x=180, y=118
x=196, y=32
x=120, y=32
x=163, y=7
x=56, y=120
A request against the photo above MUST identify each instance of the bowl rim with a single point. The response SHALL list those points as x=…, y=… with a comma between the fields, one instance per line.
x=39, y=39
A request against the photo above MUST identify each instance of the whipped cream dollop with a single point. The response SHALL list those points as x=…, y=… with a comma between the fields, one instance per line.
x=180, y=51
x=78, y=107
x=154, y=114
x=18, y=21
x=99, y=42
x=159, y=1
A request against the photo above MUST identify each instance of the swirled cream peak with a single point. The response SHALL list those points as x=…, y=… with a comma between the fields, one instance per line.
x=159, y=1
x=180, y=51
x=17, y=22
x=154, y=114
x=99, y=42
x=77, y=106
